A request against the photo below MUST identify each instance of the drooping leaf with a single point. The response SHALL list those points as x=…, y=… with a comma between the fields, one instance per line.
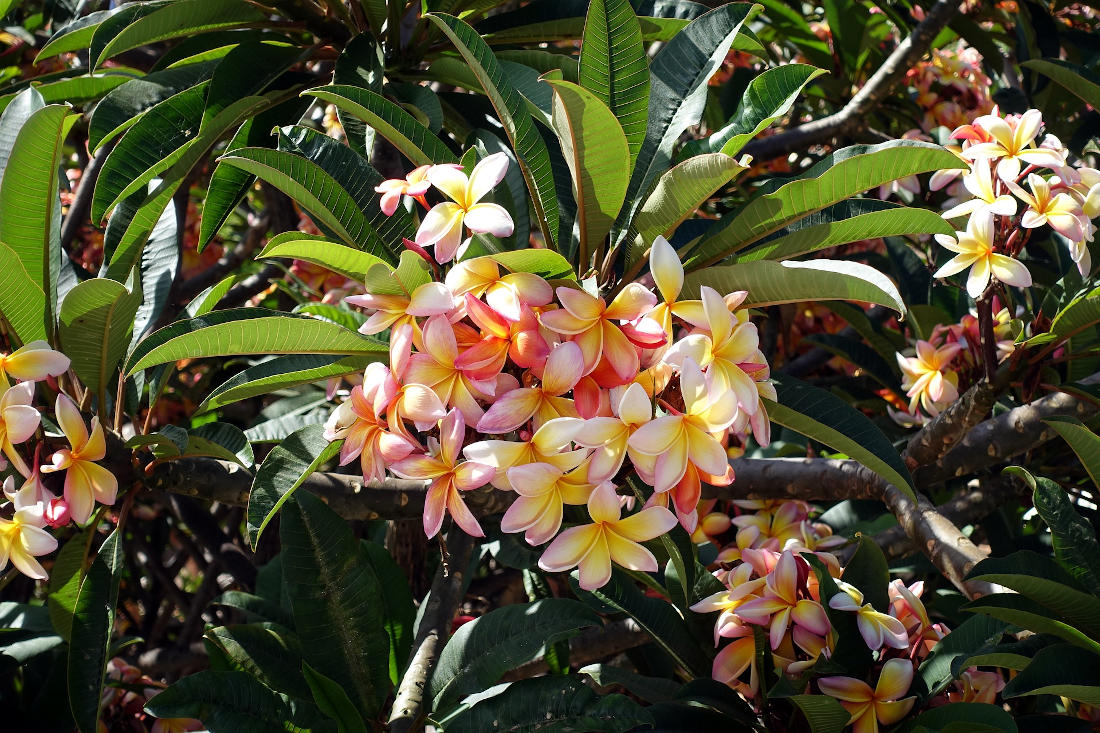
x=96, y=322
x=266, y=651
x=824, y=417
x=282, y=472
x=615, y=68
x=974, y=633
x=836, y=177
x=596, y=151
x=534, y=159
x=254, y=607
x=770, y=283
x=1023, y=612
x=247, y=331
x=399, y=609
x=1084, y=442
x=220, y=440
x=482, y=650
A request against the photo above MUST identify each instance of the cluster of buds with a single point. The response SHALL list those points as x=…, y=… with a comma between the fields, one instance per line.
x=578, y=393
x=33, y=507
x=948, y=361
x=1003, y=157
x=776, y=590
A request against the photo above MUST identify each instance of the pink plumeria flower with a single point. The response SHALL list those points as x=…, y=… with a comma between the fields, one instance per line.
x=1013, y=143
x=32, y=362
x=979, y=182
x=414, y=185
x=1061, y=211
x=868, y=708
x=18, y=421
x=740, y=588
x=928, y=378
x=390, y=311
x=609, y=436
x=436, y=368
x=86, y=482
x=518, y=339
x=974, y=685
x=506, y=294
x=668, y=276
x=734, y=658
x=365, y=436
x=31, y=493
x=549, y=444
x=676, y=440
x=591, y=548
x=543, y=490
x=877, y=629
x=974, y=249
x=449, y=477
x=542, y=402
x=784, y=602
x=591, y=323
x=442, y=225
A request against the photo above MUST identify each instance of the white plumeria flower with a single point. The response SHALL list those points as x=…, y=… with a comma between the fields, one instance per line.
x=1060, y=211
x=1013, y=142
x=974, y=249
x=979, y=182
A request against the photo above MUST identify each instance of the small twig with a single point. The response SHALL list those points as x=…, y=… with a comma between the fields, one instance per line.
x=82, y=200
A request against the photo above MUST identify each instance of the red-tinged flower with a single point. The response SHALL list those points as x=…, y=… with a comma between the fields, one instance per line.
x=389, y=311
x=734, y=658
x=740, y=588
x=414, y=185
x=784, y=602
x=591, y=548
x=591, y=323
x=365, y=436
x=507, y=294
x=501, y=338
x=1013, y=143
x=1061, y=211
x=868, y=708
x=436, y=368
x=449, y=477
x=877, y=629
x=542, y=402
x=442, y=225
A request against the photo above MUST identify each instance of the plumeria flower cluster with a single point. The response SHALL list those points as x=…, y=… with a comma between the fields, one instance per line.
x=553, y=392
x=32, y=505
x=949, y=361
x=951, y=87
x=1015, y=183
x=776, y=590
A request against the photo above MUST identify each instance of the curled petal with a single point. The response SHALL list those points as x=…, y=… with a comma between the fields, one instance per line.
x=486, y=175
x=632, y=302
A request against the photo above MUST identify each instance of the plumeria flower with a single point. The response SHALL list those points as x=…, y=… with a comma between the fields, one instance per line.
x=979, y=182
x=390, y=311
x=543, y=402
x=676, y=440
x=86, y=482
x=1013, y=142
x=365, y=436
x=668, y=276
x=436, y=368
x=877, y=629
x=868, y=708
x=442, y=225
x=22, y=539
x=549, y=444
x=506, y=294
x=975, y=250
x=543, y=492
x=974, y=685
x=517, y=339
x=448, y=477
x=740, y=588
x=18, y=421
x=591, y=323
x=1060, y=211
x=734, y=658
x=783, y=603
x=591, y=548
x=414, y=185
x=609, y=436
x=32, y=362
x=928, y=378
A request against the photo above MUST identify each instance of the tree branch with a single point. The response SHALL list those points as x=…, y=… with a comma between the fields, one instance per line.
x=82, y=199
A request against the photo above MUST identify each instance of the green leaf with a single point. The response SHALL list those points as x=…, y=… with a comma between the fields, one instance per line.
x=80, y=90
x=182, y=18
x=648, y=689
x=679, y=75
x=1061, y=669
x=482, y=650
x=255, y=608
x=1073, y=537
x=93, y=620
x=771, y=283
x=849, y=221
x=1026, y=613
x=283, y=471
x=334, y=593
x=824, y=417
x=14, y=116
x=74, y=35
x=282, y=372
x=679, y=192
x=231, y=702
x=1084, y=442
x=531, y=152
x=836, y=177
x=333, y=701
x=596, y=151
x=542, y=262
x=614, y=67
x=222, y=441
x=868, y=571
x=1077, y=317
x=96, y=321
x=30, y=223
x=65, y=577
x=823, y=713
x=399, y=608
x=962, y=716
x=308, y=184
x=266, y=651
x=972, y=635
x=554, y=703
x=349, y=262
x=412, y=139
x=247, y=331
x=1076, y=79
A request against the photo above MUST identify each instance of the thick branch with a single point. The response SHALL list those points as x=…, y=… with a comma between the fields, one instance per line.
x=855, y=113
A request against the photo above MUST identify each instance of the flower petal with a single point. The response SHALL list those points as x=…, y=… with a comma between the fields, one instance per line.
x=490, y=218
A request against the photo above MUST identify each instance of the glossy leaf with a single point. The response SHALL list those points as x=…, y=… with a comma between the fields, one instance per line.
x=1015, y=609
x=14, y=116
x=74, y=35
x=771, y=283
x=246, y=331
x=65, y=578
x=531, y=152
x=1076, y=79
x=349, y=262
x=93, y=620
x=482, y=650
x=969, y=637
x=96, y=322
x=220, y=440
x=544, y=263
x=1084, y=442
x=615, y=68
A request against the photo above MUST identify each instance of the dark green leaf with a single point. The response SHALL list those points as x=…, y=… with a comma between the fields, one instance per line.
x=1061, y=669
x=1073, y=537
x=65, y=578
x=823, y=713
x=279, y=373
x=93, y=620
x=96, y=322
x=266, y=651
x=1019, y=610
x=333, y=701
x=868, y=571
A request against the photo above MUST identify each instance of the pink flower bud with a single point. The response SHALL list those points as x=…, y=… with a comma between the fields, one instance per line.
x=57, y=513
